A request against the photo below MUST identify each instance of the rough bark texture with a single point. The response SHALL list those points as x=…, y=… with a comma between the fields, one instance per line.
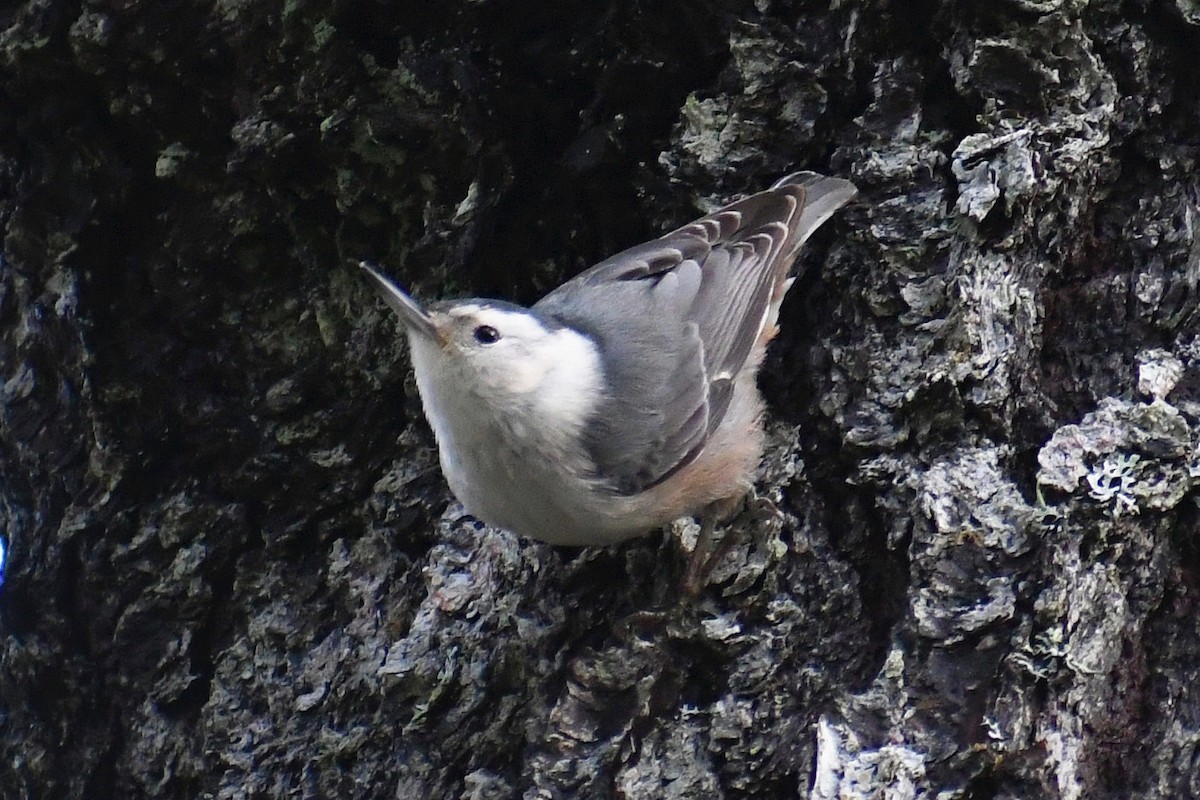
x=234, y=570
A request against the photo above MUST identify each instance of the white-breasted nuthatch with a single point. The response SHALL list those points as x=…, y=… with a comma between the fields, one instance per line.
x=626, y=398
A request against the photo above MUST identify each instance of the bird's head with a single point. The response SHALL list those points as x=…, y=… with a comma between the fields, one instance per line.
x=499, y=350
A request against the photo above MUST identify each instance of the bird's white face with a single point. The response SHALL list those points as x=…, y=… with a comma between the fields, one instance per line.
x=506, y=350
x=492, y=374
x=510, y=358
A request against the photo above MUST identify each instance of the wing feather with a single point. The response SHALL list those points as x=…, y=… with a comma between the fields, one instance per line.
x=677, y=318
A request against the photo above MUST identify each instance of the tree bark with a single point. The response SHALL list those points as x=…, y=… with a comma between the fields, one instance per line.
x=234, y=570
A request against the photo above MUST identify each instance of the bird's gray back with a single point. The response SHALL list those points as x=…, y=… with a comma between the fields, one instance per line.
x=677, y=319
x=656, y=411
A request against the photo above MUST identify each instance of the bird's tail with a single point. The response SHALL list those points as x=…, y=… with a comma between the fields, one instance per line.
x=822, y=196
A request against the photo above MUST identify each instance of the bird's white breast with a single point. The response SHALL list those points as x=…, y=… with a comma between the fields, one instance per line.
x=511, y=439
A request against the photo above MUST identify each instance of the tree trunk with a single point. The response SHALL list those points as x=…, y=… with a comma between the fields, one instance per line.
x=233, y=567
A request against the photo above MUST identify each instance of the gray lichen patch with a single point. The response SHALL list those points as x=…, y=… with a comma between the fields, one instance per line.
x=980, y=523
x=846, y=769
x=1125, y=455
x=1158, y=373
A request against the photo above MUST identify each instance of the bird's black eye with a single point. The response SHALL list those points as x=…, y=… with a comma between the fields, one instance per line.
x=486, y=334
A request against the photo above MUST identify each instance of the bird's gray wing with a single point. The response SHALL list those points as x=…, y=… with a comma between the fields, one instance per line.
x=675, y=320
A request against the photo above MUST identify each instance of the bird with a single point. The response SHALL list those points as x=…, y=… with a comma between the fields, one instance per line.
x=627, y=397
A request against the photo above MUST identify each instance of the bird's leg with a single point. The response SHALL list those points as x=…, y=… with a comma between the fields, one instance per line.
x=702, y=561
x=698, y=566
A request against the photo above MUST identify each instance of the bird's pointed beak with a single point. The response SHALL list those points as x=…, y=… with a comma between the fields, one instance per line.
x=411, y=314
